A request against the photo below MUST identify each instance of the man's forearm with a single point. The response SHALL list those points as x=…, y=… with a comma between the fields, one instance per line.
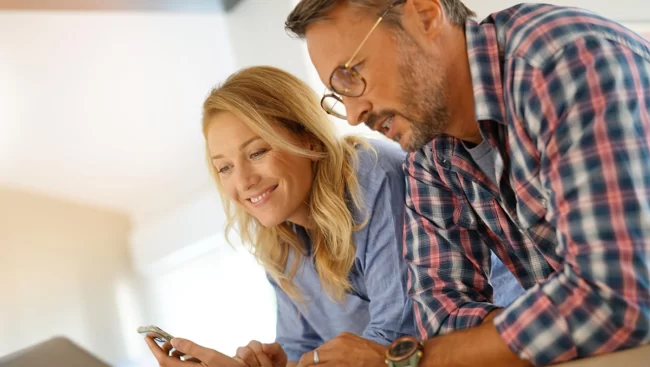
x=477, y=346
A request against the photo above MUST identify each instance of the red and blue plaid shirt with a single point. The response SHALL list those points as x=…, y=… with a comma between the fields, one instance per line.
x=563, y=96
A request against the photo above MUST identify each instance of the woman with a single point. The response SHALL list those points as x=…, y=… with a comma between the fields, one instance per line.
x=322, y=214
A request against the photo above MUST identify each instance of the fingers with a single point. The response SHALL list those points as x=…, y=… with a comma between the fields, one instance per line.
x=262, y=357
x=249, y=357
x=309, y=359
x=306, y=360
x=246, y=355
x=157, y=352
x=207, y=356
x=241, y=361
x=275, y=352
x=272, y=350
x=167, y=346
x=176, y=354
x=188, y=347
x=161, y=356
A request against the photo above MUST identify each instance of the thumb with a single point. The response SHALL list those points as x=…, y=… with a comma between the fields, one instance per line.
x=188, y=347
x=180, y=344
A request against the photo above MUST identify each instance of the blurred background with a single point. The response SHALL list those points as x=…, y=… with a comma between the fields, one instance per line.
x=108, y=219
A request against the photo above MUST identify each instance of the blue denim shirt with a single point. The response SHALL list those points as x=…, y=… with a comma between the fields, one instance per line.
x=378, y=308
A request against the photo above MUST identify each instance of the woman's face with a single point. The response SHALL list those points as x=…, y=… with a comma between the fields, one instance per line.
x=269, y=183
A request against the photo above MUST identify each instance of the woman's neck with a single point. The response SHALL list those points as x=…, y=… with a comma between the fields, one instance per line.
x=302, y=217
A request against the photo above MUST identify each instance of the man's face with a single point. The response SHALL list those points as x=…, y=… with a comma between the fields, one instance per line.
x=405, y=96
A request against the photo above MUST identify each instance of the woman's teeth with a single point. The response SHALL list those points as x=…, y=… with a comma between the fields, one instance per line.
x=258, y=198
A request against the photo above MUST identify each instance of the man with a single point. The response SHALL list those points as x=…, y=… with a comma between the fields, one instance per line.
x=530, y=137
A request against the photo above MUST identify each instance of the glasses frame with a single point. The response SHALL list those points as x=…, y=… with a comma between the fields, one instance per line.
x=336, y=94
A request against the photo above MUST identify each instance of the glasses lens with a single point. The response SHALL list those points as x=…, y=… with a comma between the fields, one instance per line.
x=348, y=82
x=334, y=106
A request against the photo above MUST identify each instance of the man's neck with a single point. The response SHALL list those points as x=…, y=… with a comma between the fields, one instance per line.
x=463, y=124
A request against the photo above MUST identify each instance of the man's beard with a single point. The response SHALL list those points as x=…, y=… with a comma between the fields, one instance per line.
x=422, y=93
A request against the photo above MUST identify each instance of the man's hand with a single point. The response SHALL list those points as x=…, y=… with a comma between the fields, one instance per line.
x=206, y=357
x=346, y=350
x=477, y=346
x=256, y=354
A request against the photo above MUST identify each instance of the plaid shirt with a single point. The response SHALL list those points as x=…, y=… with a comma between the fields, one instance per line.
x=563, y=96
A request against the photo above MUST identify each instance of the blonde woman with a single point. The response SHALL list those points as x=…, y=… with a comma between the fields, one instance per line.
x=322, y=214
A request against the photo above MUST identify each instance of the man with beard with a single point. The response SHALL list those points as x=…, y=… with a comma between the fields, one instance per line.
x=529, y=136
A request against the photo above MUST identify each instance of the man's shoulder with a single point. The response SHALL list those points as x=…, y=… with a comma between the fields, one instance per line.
x=538, y=33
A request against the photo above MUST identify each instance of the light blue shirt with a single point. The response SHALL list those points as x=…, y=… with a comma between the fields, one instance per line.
x=378, y=308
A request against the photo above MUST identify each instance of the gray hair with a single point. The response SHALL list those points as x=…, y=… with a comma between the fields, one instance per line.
x=309, y=12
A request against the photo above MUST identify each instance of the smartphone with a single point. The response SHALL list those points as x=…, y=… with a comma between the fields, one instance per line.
x=162, y=336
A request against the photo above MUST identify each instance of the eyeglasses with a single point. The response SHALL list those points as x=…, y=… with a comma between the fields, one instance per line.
x=345, y=80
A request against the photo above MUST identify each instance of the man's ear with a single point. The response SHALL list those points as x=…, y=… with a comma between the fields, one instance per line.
x=430, y=16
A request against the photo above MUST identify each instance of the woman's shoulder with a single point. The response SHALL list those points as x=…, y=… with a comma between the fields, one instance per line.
x=379, y=159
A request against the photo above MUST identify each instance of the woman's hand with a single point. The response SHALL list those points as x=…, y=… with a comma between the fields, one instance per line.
x=256, y=354
x=204, y=357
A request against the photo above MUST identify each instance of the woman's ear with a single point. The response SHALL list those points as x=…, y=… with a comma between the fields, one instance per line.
x=312, y=144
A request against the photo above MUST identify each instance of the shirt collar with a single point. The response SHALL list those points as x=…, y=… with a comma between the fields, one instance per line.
x=485, y=68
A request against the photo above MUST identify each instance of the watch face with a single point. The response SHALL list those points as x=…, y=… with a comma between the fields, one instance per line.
x=402, y=349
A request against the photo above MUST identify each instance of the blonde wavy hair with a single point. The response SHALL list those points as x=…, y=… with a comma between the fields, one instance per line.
x=263, y=97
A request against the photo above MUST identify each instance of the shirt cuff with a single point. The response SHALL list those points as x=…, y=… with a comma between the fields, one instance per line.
x=469, y=315
x=431, y=323
x=534, y=329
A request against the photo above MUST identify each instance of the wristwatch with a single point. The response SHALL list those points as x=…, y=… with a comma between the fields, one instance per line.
x=404, y=352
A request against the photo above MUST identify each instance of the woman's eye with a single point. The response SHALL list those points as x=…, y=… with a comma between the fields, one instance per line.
x=224, y=169
x=259, y=153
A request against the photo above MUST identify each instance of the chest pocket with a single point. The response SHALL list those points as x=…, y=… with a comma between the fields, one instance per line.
x=476, y=209
x=531, y=218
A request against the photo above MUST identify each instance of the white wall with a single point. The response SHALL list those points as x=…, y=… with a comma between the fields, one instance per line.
x=257, y=35
x=154, y=239
x=64, y=270
x=105, y=107
x=627, y=11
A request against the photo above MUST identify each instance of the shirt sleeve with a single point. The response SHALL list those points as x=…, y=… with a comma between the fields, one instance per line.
x=448, y=264
x=293, y=332
x=588, y=109
x=390, y=309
